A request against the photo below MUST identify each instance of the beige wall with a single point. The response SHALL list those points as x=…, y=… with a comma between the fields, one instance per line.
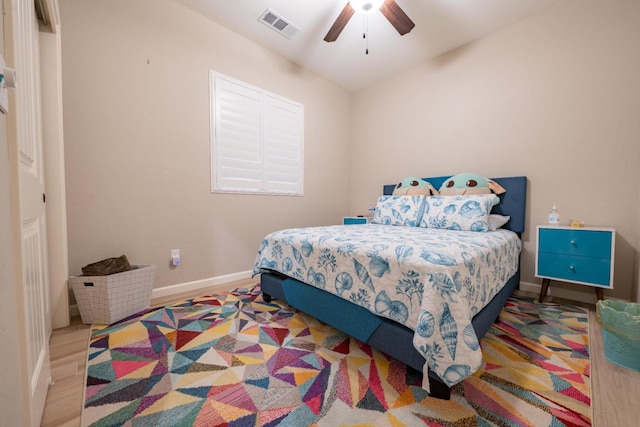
x=136, y=119
x=554, y=97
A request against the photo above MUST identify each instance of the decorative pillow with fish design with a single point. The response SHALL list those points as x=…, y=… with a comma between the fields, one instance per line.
x=399, y=210
x=467, y=213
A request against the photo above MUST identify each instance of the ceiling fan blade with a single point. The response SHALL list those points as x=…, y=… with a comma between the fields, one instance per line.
x=396, y=16
x=340, y=23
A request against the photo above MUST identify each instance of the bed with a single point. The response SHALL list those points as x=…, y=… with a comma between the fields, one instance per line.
x=423, y=296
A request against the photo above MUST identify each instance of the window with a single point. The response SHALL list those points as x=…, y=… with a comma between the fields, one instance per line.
x=256, y=140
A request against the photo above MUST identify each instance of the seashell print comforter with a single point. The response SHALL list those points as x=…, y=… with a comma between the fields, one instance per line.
x=431, y=280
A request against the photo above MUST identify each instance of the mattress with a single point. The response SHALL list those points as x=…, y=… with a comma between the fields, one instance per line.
x=433, y=281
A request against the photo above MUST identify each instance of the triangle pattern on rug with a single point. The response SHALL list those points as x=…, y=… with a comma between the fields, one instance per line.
x=234, y=360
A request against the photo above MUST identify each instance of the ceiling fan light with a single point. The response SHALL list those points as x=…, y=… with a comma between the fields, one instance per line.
x=366, y=6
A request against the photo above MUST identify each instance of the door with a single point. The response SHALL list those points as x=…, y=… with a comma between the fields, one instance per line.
x=25, y=142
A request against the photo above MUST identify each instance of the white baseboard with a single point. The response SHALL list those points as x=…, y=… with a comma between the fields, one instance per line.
x=580, y=293
x=221, y=283
x=212, y=284
x=74, y=310
x=532, y=287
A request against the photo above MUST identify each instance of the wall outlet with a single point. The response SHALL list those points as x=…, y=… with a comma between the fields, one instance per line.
x=175, y=257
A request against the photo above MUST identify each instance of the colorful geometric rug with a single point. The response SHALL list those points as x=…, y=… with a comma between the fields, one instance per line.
x=234, y=360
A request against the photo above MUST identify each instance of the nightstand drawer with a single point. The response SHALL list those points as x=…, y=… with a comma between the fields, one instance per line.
x=587, y=243
x=596, y=271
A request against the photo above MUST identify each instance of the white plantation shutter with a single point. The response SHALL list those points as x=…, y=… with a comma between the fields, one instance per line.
x=237, y=140
x=282, y=146
x=257, y=140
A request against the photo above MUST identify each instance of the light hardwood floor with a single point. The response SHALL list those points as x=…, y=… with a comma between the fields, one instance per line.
x=615, y=390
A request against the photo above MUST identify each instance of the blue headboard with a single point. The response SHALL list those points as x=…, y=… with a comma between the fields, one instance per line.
x=512, y=203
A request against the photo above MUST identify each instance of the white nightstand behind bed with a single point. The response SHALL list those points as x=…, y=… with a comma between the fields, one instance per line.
x=577, y=255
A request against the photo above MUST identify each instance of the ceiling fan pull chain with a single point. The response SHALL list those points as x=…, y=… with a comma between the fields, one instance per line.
x=365, y=28
x=365, y=35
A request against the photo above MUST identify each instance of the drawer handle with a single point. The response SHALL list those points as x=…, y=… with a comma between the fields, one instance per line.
x=573, y=243
x=572, y=268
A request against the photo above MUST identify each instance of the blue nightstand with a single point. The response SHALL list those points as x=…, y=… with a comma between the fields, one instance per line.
x=350, y=220
x=576, y=255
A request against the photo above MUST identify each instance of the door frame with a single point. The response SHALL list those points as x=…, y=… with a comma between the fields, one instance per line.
x=53, y=158
x=53, y=145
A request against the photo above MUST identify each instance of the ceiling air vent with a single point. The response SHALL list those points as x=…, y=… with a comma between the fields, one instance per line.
x=278, y=24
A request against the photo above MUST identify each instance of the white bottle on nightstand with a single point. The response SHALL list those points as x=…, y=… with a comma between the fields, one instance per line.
x=554, y=216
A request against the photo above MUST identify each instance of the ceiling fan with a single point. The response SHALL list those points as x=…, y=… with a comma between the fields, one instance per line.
x=389, y=8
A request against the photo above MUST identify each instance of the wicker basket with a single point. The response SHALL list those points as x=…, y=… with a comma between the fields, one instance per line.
x=107, y=299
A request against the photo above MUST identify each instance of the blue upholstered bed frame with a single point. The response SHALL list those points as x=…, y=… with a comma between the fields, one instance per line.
x=386, y=335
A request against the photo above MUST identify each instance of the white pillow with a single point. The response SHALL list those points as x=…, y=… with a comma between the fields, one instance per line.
x=399, y=210
x=463, y=212
x=496, y=221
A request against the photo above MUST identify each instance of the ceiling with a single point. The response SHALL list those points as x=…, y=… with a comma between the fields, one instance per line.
x=441, y=25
